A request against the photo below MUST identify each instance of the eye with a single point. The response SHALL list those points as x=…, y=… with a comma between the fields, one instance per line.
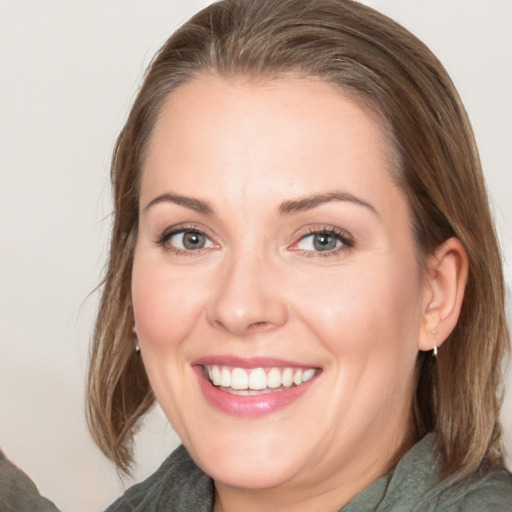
x=319, y=242
x=190, y=240
x=185, y=240
x=325, y=240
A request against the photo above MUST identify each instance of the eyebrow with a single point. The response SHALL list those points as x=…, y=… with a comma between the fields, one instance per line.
x=312, y=201
x=188, y=202
x=287, y=207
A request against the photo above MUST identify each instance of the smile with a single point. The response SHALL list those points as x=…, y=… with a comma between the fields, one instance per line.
x=253, y=387
x=255, y=381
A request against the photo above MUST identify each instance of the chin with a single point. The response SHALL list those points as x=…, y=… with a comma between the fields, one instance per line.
x=246, y=457
x=244, y=472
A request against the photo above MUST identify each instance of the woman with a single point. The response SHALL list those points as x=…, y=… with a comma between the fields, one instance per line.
x=303, y=272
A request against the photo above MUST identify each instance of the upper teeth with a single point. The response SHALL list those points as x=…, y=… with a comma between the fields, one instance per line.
x=258, y=378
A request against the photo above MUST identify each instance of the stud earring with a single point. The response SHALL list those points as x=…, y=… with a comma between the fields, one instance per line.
x=434, y=342
x=134, y=330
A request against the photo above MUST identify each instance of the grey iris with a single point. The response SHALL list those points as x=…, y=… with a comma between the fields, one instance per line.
x=193, y=240
x=324, y=242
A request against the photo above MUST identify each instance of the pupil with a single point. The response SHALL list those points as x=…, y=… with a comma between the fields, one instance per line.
x=193, y=241
x=323, y=242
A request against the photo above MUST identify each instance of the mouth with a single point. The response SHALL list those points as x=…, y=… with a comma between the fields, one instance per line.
x=256, y=381
x=253, y=387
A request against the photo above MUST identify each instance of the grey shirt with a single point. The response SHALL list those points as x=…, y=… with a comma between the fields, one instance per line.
x=414, y=485
x=18, y=493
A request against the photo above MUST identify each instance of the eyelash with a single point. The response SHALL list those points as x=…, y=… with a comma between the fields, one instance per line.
x=164, y=238
x=346, y=240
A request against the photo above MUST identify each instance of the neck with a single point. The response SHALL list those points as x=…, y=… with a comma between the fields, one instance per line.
x=231, y=500
x=330, y=493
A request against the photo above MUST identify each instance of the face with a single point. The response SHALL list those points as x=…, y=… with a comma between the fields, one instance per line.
x=276, y=290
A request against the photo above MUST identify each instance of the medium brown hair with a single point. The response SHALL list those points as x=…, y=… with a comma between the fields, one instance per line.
x=372, y=58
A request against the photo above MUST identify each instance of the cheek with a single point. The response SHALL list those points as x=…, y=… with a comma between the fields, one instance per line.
x=365, y=311
x=166, y=304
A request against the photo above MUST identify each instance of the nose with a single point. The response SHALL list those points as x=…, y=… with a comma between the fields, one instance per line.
x=247, y=298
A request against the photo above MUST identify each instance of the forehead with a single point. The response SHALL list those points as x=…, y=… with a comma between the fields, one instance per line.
x=286, y=90
x=222, y=135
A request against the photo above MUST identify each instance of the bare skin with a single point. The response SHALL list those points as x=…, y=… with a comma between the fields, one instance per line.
x=271, y=228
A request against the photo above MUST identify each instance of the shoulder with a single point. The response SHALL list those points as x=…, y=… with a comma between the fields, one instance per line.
x=492, y=493
x=417, y=485
x=178, y=484
x=18, y=492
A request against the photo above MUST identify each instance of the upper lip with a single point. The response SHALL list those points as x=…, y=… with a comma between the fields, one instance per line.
x=249, y=362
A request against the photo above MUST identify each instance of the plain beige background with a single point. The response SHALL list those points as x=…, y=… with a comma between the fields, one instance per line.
x=68, y=72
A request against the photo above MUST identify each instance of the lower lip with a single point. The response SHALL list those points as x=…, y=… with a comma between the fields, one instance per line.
x=250, y=406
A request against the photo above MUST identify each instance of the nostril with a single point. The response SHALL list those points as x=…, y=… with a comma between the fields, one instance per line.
x=240, y=308
x=257, y=326
x=242, y=328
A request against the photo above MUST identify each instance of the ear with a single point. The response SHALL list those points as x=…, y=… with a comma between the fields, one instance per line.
x=445, y=281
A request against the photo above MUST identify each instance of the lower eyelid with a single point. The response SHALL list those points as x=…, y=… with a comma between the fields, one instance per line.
x=345, y=242
x=336, y=237
x=164, y=237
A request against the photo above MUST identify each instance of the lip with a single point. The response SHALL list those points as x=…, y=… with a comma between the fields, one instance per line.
x=247, y=362
x=249, y=406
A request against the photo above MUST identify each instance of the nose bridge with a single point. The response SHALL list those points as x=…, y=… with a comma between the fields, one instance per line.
x=247, y=298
